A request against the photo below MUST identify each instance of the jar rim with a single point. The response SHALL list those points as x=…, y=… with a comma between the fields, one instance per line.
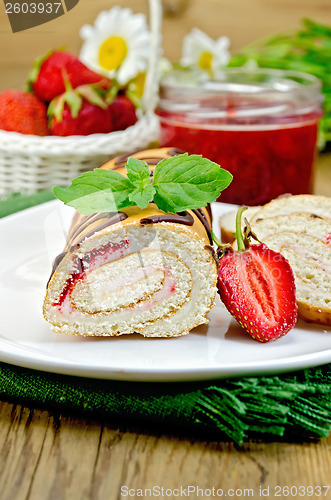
x=247, y=91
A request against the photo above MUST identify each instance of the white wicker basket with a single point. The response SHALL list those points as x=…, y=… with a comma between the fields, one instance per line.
x=30, y=163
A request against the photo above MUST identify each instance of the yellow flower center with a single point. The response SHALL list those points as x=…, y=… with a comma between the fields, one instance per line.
x=205, y=60
x=138, y=83
x=112, y=53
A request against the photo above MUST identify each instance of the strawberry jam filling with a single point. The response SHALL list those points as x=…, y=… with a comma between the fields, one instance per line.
x=97, y=257
x=103, y=255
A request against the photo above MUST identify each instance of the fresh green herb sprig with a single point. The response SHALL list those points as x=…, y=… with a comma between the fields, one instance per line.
x=179, y=183
x=307, y=50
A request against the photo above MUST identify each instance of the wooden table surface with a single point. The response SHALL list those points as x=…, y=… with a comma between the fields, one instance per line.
x=47, y=456
x=50, y=456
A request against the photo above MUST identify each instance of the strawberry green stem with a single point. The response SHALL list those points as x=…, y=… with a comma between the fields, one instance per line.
x=239, y=236
x=66, y=80
x=215, y=239
x=33, y=75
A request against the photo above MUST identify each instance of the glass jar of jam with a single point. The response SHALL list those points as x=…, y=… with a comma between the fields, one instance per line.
x=259, y=124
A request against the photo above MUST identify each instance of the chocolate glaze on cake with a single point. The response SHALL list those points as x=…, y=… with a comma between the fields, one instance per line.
x=121, y=161
x=203, y=219
x=111, y=218
x=178, y=218
x=56, y=262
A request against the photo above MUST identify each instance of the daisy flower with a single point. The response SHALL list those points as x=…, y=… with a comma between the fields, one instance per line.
x=199, y=50
x=117, y=45
x=165, y=66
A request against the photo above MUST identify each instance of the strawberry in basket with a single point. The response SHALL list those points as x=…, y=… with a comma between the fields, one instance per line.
x=123, y=112
x=257, y=286
x=46, y=78
x=22, y=112
x=80, y=111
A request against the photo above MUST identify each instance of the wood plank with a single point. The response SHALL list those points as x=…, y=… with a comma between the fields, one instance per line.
x=50, y=457
x=322, y=183
x=67, y=459
x=22, y=434
x=241, y=20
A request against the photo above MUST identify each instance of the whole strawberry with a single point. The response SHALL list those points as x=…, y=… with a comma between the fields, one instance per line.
x=22, y=112
x=80, y=111
x=46, y=79
x=123, y=112
x=257, y=287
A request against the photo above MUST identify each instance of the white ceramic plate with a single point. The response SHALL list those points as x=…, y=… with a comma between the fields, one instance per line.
x=31, y=239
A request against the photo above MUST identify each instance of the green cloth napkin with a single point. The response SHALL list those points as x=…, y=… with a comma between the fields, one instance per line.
x=292, y=406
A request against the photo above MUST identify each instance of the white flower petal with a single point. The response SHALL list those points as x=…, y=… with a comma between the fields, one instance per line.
x=203, y=39
x=223, y=42
x=86, y=31
x=165, y=66
x=102, y=21
x=197, y=42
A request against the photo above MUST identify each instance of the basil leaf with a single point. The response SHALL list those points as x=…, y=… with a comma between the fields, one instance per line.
x=138, y=172
x=180, y=183
x=142, y=196
x=188, y=181
x=97, y=191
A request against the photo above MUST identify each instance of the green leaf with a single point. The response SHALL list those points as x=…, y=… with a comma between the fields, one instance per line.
x=91, y=95
x=97, y=191
x=142, y=197
x=138, y=172
x=33, y=75
x=187, y=182
x=317, y=28
x=180, y=183
x=56, y=106
x=74, y=101
x=112, y=92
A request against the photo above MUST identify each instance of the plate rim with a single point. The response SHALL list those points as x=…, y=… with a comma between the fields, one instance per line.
x=49, y=365
x=19, y=354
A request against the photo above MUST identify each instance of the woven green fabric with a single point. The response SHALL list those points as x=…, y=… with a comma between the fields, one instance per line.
x=291, y=406
x=18, y=202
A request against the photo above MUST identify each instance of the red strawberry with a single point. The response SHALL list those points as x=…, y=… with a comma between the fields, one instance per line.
x=123, y=112
x=46, y=79
x=79, y=111
x=257, y=287
x=22, y=112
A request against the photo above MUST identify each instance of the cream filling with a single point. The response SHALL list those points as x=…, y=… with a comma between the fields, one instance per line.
x=102, y=292
x=130, y=288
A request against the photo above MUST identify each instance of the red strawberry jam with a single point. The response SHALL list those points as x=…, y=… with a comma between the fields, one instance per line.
x=261, y=126
x=90, y=261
